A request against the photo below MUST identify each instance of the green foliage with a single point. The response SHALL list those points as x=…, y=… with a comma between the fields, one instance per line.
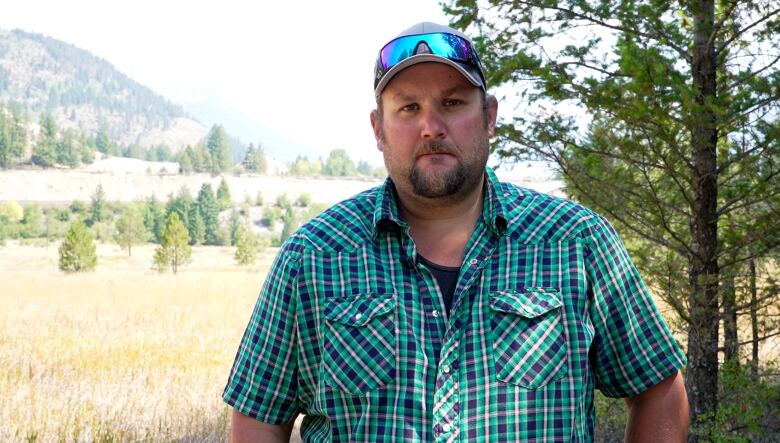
x=219, y=149
x=45, y=150
x=209, y=211
x=154, y=219
x=174, y=250
x=235, y=223
x=303, y=200
x=749, y=409
x=247, y=246
x=13, y=135
x=130, y=229
x=254, y=159
x=78, y=252
x=196, y=227
x=97, y=210
x=11, y=211
x=289, y=224
x=338, y=164
x=223, y=195
x=302, y=166
x=30, y=226
x=282, y=201
x=271, y=216
x=259, y=201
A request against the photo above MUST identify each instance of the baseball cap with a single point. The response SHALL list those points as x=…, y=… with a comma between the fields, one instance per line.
x=428, y=42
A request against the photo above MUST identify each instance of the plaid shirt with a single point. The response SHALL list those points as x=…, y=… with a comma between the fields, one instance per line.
x=351, y=330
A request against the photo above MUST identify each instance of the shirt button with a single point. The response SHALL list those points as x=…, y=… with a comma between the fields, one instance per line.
x=473, y=262
x=435, y=313
x=358, y=316
x=446, y=369
x=446, y=427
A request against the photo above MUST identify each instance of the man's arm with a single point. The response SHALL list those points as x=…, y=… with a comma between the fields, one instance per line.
x=245, y=429
x=660, y=413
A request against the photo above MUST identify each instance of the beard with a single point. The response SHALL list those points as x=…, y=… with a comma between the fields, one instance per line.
x=460, y=179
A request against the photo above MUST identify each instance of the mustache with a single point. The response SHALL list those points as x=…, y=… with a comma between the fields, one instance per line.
x=434, y=148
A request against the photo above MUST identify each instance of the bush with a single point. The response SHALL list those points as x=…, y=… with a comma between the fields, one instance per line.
x=78, y=252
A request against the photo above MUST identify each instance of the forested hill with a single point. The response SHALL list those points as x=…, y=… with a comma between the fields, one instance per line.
x=87, y=94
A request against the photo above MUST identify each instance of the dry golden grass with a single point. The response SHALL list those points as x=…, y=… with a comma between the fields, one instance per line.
x=122, y=353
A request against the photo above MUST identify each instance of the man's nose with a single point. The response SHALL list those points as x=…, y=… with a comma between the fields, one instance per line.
x=431, y=124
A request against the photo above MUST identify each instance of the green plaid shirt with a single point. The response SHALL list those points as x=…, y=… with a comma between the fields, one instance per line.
x=351, y=330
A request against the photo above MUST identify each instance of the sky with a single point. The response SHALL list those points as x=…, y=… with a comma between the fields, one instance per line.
x=302, y=71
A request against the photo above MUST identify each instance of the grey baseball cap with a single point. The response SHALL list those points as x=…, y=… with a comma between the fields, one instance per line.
x=430, y=41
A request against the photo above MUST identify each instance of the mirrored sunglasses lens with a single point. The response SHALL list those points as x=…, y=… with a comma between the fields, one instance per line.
x=445, y=45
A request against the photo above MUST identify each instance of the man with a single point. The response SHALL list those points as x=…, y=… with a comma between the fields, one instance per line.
x=445, y=305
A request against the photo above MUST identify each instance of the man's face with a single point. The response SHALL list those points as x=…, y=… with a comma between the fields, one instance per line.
x=433, y=131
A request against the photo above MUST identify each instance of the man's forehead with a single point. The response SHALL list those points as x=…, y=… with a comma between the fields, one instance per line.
x=427, y=78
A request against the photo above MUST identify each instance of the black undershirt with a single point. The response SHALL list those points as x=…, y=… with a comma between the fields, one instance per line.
x=446, y=276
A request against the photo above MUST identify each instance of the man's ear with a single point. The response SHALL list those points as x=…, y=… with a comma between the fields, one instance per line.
x=491, y=104
x=376, y=125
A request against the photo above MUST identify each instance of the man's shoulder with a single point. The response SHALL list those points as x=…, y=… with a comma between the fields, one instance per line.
x=535, y=217
x=345, y=226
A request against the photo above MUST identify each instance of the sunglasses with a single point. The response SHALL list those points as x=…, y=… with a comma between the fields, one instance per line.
x=443, y=44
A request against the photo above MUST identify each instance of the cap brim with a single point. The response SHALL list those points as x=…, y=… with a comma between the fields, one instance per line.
x=466, y=71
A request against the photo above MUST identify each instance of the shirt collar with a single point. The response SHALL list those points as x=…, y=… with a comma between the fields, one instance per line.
x=493, y=208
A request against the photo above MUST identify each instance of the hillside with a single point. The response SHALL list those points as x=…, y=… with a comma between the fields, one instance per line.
x=86, y=93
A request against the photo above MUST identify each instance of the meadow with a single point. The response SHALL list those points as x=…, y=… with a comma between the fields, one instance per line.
x=123, y=353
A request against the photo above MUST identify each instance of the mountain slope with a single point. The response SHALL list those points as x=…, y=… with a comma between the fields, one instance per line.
x=86, y=93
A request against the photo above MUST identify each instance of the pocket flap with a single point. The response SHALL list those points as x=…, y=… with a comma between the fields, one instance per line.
x=360, y=309
x=530, y=303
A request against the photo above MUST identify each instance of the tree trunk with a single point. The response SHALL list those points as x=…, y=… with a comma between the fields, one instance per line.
x=754, y=321
x=702, y=376
x=730, y=338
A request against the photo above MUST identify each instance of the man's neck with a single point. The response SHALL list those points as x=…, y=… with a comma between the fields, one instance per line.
x=441, y=228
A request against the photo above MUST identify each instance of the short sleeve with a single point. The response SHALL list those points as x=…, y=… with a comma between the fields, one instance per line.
x=632, y=349
x=263, y=379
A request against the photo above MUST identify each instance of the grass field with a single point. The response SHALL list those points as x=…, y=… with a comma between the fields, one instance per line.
x=122, y=353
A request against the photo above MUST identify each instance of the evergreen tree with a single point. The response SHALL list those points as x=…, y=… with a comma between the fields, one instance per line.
x=45, y=150
x=246, y=246
x=78, y=251
x=219, y=149
x=289, y=224
x=103, y=142
x=154, y=219
x=209, y=211
x=31, y=226
x=97, y=211
x=185, y=161
x=235, y=223
x=68, y=152
x=338, y=164
x=364, y=168
x=196, y=228
x=254, y=159
x=174, y=250
x=130, y=229
x=181, y=204
x=223, y=195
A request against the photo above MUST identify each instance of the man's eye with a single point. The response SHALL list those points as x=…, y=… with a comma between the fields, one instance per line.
x=410, y=107
x=452, y=102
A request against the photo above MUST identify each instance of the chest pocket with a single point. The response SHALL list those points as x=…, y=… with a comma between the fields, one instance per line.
x=359, y=342
x=529, y=343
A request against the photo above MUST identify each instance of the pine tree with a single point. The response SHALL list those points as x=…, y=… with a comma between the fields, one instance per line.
x=130, y=229
x=219, y=149
x=246, y=246
x=174, y=250
x=209, y=210
x=97, y=210
x=196, y=227
x=78, y=252
x=289, y=224
x=223, y=195
x=45, y=150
